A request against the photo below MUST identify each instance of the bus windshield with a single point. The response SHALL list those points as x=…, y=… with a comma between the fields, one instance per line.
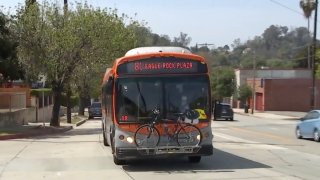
x=138, y=96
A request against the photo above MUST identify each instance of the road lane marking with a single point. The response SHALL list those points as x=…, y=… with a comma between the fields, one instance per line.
x=270, y=135
x=248, y=144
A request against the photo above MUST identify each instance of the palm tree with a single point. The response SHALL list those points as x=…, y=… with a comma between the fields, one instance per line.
x=308, y=6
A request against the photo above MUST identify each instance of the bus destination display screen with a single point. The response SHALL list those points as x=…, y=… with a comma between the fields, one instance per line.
x=162, y=65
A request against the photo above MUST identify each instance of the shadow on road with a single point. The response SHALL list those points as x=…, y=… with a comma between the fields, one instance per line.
x=220, y=161
x=83, y=131
x=74, y=132
x=233, y=121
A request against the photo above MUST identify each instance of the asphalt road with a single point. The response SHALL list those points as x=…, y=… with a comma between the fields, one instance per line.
x=247, y=148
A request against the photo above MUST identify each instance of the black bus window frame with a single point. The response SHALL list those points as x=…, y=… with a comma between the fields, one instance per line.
x=109, y=85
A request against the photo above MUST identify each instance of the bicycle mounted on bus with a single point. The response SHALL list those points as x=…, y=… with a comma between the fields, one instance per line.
x=184, y=133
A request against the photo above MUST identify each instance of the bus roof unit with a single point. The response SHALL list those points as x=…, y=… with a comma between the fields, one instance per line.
x=146, y=50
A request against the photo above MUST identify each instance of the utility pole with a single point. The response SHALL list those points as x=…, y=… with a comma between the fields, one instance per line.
x=254, y=84
x=65, y=11
x=246, y=51
x=313, y=94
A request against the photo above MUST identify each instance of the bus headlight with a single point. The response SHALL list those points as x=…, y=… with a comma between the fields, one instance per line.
x=198, y=137
x=129, y=139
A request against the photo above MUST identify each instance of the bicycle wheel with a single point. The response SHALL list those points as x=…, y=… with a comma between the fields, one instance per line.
x=146, y=136
x=189, y=135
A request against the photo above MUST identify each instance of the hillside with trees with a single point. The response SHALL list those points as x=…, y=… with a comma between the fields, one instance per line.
x=72, y=45
x=276, y=47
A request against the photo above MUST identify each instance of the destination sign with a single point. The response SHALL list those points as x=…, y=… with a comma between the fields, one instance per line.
x=162, y=65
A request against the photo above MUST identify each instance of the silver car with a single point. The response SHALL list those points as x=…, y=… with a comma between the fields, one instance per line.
x=309, y=126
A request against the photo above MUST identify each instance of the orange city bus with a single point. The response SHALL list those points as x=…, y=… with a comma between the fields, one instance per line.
x=147, y=77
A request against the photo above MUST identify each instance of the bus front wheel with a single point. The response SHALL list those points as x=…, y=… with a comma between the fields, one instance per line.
x=105, y=142
x=112, y=145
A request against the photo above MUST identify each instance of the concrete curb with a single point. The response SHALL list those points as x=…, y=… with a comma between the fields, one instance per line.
x=32, y=134
x=81, y=122
x=293, y=118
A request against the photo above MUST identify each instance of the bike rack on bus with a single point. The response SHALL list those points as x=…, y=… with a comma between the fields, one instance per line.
x=169, y=150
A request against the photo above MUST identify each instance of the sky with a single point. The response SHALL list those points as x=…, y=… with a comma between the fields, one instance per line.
x=217, y=22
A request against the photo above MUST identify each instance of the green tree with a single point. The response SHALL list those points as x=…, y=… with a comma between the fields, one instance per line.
x=143, y=34
x=244, y=92
x=49, y=45
x=111, y=38
x=9, y=64
x=30, y=2
x=60, y=45
x=276, y=42
x=161, y=40
x=183, y=40
x=145, y=37
x=222, y=82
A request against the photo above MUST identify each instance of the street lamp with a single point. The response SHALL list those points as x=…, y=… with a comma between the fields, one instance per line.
x=246, y=51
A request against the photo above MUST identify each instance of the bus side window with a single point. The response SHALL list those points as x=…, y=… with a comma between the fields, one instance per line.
x=109, y=86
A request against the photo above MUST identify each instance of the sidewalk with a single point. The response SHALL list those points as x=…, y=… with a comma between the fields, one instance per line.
x=38, y=129
x=287, y=115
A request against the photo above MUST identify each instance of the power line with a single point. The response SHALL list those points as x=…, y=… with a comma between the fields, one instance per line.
x=284, y=6
x=293, y=10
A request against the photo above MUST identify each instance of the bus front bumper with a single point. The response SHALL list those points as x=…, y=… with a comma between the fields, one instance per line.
x=163, y=151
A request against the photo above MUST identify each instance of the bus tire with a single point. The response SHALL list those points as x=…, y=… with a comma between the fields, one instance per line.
x=112, y=139
x=194, y=159
x=105, y=141
x=112, y=145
